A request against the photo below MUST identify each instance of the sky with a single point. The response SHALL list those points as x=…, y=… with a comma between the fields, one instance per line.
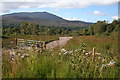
x=84, y=10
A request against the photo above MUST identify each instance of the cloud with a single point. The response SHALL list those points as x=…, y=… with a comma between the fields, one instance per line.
x=72, y=18
x=115, y=17
x=76, y=19
x=8, y=5
x=24, y=7
x=96, y=12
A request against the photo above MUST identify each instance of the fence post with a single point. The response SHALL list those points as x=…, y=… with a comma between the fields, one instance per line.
x=15, y=43
x=44, y=45
x=40, y=44
x=93, y=54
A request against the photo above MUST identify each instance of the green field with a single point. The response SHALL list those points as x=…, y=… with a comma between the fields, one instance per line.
x=73, y=63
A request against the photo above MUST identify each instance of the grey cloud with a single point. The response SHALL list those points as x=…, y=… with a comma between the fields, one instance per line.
x=16, y=4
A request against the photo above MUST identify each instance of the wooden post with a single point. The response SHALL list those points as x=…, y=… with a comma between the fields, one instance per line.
x=40, y=44
x=15, y=43
x=93, y=53
x=44, y=45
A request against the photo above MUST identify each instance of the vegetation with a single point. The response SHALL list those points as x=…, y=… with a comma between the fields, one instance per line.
x=103, y=28
x=59, y=64
x=73, y=60
x=8, y=42
x=27, y=28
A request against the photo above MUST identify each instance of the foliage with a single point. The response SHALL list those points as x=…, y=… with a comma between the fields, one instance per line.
x=28, y=28
x=102, y=27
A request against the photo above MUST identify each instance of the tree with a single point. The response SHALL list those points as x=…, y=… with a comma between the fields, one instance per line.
x=100, y=27
x=85, y=31
x=23, y=27
x=91, y=30
x=117, y=28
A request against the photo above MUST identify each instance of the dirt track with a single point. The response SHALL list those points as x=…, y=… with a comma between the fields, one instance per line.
x=58, y=43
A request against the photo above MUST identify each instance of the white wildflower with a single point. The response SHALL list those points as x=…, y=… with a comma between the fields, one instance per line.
x=18, y=54
x=10, y=52
x=22, y=56
x=86, y=53
x=83, y=51
x=104, y=60
x=112, y=62
x=98, y=57
x=13, y=53
x=25, y=54
x=63, y=50
x=66, y=52
x=97, y=53
x=59, y=53
x=13, y=59
x=76, y=50
x=70, y=52
x=35, y=47
x=37, y=50
x=28, y=48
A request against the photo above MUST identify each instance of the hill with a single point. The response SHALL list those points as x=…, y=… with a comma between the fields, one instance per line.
x=41, y=18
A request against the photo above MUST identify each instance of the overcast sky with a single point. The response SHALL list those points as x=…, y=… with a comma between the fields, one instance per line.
x=91, y=11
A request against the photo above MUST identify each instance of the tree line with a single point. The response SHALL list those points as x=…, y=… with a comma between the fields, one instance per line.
x=103, y=28
x=28, y=28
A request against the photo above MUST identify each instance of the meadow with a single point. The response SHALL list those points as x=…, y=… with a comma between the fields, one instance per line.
x=73, y=60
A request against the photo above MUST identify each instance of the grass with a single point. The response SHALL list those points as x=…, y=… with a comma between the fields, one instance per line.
x=57, y=64
x=47, y=38
x=101, y=43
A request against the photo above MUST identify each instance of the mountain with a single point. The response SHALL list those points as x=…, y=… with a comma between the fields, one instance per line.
x=41, y=18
